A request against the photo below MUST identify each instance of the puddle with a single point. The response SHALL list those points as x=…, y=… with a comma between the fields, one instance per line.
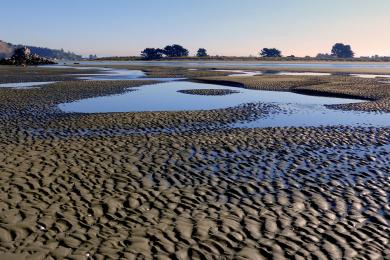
x=113, y=74
x=303, y=74
x=241, y=73
x=370, y=76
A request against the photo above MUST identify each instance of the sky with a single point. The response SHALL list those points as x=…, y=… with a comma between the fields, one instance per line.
x=223, y=27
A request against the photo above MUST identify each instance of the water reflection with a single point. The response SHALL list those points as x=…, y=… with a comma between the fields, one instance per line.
x=25, y=85
x=300, y=110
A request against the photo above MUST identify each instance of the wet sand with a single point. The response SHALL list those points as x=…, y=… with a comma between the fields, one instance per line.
x=208, y=92
x=12, y=74
x=240, y=194
x=208, y=193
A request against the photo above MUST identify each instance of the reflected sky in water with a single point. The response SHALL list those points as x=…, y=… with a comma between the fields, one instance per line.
x=298, y=109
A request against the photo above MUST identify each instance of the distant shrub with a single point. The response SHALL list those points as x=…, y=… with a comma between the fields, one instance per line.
x=270, y=53
x=175, y=50
x=202, y=52
x=152, y=54
x=343, y=51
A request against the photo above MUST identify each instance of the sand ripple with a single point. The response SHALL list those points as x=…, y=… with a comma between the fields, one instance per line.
x=320, y=193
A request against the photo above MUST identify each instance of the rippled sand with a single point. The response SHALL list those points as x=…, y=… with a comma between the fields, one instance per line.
x=250, y=194
x=208, y=193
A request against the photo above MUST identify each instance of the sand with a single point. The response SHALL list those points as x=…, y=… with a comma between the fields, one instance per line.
x=209, y=92
x=12, y=74
x=200, y=191
x=251, y=194
x=34, y=111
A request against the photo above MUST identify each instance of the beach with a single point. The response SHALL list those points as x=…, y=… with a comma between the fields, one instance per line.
x=184, y=184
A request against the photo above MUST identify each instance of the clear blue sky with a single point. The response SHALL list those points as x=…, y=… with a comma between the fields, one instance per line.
x=223, y=27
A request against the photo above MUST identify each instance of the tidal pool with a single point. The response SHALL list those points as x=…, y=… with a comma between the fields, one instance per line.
x=297, y=109
x=105, y=73
x=113, y=74
x=241, y=73
x=25, y=85
x=370, y=76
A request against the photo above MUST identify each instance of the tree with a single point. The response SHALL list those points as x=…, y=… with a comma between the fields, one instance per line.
x=202, y=52
x=342, y=51
x=152, y=54
x=270, y=52
x=175, y=50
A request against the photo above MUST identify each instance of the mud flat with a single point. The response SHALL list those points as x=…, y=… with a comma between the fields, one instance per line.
x=210, y=193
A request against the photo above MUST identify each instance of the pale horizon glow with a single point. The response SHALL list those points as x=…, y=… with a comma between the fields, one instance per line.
x=223, y=27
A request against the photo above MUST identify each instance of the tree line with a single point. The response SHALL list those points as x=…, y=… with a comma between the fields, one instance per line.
x=170, y=51
x=339, y=50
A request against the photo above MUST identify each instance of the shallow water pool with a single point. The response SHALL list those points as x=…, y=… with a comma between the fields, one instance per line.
x=370, y=76
x=25, y=85
x=113, y=74
x=297, y=109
